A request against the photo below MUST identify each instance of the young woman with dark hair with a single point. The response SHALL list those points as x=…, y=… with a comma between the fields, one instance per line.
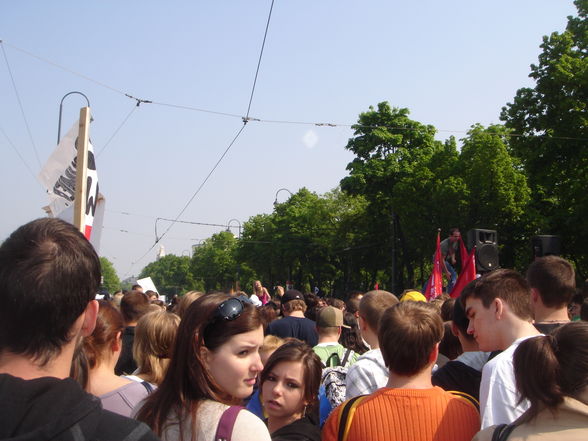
x=551, y=372
x=214, y=366
x=102, y=350
x=289, y=388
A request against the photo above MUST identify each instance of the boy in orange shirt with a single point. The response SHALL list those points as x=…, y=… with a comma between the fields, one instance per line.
x=409, y=407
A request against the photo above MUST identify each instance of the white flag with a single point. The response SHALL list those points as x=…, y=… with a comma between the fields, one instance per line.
x=59, y=177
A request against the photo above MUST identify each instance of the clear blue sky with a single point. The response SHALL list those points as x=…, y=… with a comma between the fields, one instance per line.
x=452, y=64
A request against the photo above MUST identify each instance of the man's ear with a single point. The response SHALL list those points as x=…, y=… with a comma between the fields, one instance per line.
x=534, y=295
x=500, y=308
x=89, y=320
x=434, y=354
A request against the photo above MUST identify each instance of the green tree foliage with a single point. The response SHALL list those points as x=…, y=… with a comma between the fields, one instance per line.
x=214, y=262
x=497, y=195
x=407, y=178
x=110, y=279
x=171, y=274
x=552, y=119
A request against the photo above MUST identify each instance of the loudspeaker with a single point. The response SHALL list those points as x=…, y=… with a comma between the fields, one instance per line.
x=546, y=245
x=486, y=243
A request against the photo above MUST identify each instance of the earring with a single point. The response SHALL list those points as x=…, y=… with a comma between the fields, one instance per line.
x=304, y=411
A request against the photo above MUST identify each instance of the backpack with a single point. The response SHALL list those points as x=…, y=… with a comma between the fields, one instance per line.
x=334, y=377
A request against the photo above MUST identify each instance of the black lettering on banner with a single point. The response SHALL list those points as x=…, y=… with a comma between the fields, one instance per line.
x=91, y=200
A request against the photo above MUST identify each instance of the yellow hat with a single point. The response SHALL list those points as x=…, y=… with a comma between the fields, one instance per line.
x=414, y=296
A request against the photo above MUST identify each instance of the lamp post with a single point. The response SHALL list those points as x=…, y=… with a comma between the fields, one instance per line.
x=281, y=189
x=239, y=225
x=61, y=110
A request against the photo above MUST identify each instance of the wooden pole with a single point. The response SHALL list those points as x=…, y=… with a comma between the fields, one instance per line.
x=82, y=169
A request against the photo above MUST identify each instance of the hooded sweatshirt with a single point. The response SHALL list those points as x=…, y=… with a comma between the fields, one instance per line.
x=304, y=429
x=52, y=409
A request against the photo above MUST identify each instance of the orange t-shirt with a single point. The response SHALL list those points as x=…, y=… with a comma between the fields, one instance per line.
x=408, y=415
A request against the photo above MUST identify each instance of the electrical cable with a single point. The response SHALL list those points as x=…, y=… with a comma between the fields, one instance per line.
x=20, y=105
x=259, y=61
x=10, y=143
x=249, y=118
x=117, y=130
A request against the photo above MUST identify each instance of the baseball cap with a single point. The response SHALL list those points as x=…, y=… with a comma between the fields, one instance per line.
x=414, y=296
x=329, y=317
x=292, y=294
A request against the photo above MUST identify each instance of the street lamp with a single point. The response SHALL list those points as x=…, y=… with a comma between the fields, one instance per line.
x=281, y=189
x=61, y=110
x=239, y=225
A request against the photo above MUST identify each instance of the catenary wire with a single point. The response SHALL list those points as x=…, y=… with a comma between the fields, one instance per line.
x=24, y=117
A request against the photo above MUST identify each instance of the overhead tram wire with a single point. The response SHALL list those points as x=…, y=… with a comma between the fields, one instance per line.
x=249, y=118
x=117, y=130
x=11, y=144
x=245, y=121
x=24, y=117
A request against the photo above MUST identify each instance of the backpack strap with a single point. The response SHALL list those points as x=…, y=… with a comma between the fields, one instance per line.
x=346, y=357
x=502, y=432
x=224, y=430
x=346, y=416
x=467, y=397
x=147, y=386
x=328, y=360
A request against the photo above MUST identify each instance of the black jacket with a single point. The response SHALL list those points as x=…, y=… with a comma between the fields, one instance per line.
x=303, y=429
x=52, y=409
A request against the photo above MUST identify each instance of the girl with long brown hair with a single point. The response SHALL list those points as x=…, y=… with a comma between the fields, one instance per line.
x=214, y=366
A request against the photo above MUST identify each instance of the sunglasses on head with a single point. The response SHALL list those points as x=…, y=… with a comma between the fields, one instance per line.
x=231, y=308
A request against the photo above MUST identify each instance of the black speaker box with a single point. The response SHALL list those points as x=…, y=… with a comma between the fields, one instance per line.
x=486, y=243
x=546, y=245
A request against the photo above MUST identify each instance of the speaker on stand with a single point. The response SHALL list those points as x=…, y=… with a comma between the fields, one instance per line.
x=486, y=243
x=546, y=245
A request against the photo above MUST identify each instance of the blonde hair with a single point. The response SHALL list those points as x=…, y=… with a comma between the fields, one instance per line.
x=154, y=339
x=271, y=343
x=185, y=301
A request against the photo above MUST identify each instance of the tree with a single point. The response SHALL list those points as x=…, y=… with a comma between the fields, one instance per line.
x=550, y=122
x=497, y=192
x=406, y=177
x=171, y=274
x=214, y=264
x=110, y=279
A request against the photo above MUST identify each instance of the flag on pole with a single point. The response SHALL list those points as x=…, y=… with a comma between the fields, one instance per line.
x=59, y=177
x=463, y=253
x=468, y=273
x=435, y=285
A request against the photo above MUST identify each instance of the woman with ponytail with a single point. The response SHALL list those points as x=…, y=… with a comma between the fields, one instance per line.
x=552, y=373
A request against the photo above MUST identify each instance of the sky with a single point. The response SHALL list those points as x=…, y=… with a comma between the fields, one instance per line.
x=453, y=64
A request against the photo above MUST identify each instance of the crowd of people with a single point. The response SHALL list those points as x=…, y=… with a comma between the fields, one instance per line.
x=507, y=359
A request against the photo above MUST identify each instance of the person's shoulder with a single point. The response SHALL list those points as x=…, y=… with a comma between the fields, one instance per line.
x=114, y=427
x=249, y=427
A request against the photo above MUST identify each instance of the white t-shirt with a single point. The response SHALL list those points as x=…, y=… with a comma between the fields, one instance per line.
x=248, y=427
x=498, y=392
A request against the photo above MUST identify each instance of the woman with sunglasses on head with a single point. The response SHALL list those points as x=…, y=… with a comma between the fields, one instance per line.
x=289, y=388
x=213, y=368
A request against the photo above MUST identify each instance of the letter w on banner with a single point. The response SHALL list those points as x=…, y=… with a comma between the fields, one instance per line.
x=435, y=285
x=59, y=177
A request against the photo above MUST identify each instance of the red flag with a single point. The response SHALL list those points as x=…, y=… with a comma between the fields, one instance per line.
x=463, y=253
x=468, y=273
x=435, y=285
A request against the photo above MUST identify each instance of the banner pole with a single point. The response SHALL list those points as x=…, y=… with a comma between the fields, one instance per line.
x=82, y=169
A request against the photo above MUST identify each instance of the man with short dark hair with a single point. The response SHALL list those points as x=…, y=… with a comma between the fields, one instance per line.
x=553, y=284
x=133, y=306
x=49, y=274
x=499, y=312
x=294, y=324
x=408, y=407
x=369, y=371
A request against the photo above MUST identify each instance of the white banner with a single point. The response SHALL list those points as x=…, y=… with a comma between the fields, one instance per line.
x=59, y=177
